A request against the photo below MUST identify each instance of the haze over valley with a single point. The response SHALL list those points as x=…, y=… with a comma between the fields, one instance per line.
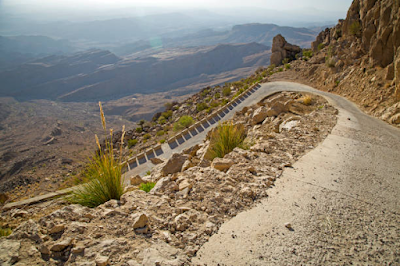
x=57, y=62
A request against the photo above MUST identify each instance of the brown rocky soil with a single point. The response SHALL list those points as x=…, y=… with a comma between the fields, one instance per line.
x=187, y=205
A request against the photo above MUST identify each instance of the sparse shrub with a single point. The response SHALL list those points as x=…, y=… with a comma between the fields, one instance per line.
x=226, y=91
x=167, y=114
x=162, y=120
x=5, y=231
x=337, y=83
x=307, y=54
x=271, y=67
x=285, y=61
x=132, y=143
x=162, y=141
x=104, y=174
x=139, y=130
x=201, y=106
x=204, y=92
x=355, y=28
x=321, y=46
x=214, y=104
x=306, y=100
x=184, y=122
x=160, y=133
x=280, y=69
x=146, y=136
x=147, y=186
x=217, y=95
x=148, y=172
x=225, y=138
x=329, y=60
x=224, y=101
x=287, y=66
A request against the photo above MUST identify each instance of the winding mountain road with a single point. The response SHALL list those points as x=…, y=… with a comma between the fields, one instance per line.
x=342, y=201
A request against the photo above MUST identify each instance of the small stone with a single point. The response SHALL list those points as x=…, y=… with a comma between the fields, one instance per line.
x=185, y=184
x=222, y=164
x=78, y=249
x=139, y=220
x=156, y=160
x=136, y=180
x=19, y=213
x=44, y=250
x=61, y=245
x=57, y=228
x=288, y=225
x=102, y=260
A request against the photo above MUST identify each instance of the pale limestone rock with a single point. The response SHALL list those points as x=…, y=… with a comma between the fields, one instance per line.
x=395, y=119
x=185, y=184
x=222, y=164
x=182, y=222
x=18, y=213
x=259, y=115
x=61, y=245
x=139, y=220
x=57, y=228
x=161, y=184
x=9, y=252
x=102, y=260
x=28, y=229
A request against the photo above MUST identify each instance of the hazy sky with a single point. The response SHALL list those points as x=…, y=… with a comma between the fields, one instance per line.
x=334, y=5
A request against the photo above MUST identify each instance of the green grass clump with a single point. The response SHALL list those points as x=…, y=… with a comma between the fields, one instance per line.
x=132, y=143
x=104, y=174
x=287, y=66
x=184, y=122
x=321, y=46
x=225, y=138
x=5, y=231
x=226, y=91
x=146, y=136
x=307, y=54
x=139, y=130
x=147, y=186
x=201, y=106
x=355, y=28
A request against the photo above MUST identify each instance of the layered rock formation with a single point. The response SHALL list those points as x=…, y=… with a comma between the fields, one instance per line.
x=281, y=50
x=359, y=58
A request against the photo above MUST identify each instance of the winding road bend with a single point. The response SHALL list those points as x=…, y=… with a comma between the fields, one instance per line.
x=342, y=201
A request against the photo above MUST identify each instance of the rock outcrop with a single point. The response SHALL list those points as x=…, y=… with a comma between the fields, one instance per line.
x=281, y=50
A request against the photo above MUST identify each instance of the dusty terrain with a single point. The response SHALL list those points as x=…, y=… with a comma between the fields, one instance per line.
x=341, y=201
x=186, y=206
x=45, y=144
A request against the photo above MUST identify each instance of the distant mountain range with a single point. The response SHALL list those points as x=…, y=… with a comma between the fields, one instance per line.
x=100, y=75
x=247, y=33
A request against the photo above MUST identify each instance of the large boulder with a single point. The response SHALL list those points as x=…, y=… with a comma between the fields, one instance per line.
x=281, y=49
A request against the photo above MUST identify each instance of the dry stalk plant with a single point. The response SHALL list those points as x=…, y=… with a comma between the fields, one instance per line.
x=104, y=173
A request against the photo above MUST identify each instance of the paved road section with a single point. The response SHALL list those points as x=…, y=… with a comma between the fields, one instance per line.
x=341, y=199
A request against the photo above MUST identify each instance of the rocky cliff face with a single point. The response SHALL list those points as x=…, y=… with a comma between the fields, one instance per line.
x=373, y=30
x=359, y=58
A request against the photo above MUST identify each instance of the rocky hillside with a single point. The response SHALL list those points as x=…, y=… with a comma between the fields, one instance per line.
x=192, y=197
x=359, y=58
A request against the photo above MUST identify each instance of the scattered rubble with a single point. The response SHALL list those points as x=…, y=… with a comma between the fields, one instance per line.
x=187, y=205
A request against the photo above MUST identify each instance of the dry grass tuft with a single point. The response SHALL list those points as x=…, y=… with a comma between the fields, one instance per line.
x=104, y=174
x=225, y=138
x=306, y=100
